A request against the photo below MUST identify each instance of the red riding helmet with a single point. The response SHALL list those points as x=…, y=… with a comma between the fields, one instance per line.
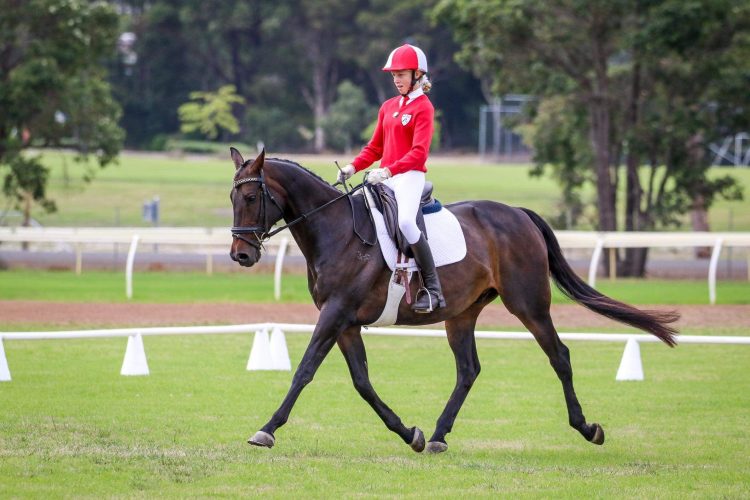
x=406, y=57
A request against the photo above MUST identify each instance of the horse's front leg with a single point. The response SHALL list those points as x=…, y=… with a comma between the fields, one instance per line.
x=330, y=324
x=460, y=332
x=353, y=348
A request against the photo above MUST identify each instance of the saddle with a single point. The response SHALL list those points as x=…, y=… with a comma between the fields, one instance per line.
x=385, y=202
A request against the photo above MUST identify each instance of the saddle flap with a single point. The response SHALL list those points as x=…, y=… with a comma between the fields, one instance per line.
x=385, y=202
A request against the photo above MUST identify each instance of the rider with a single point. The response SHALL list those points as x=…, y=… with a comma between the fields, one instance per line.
x=402, y=142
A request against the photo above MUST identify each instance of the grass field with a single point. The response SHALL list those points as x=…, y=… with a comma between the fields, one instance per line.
x=71, y=426
x=249, y=286
x=194, y=192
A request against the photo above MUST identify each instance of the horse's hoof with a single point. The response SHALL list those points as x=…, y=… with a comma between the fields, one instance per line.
x=436, y=447
x=598, y=435
x=417, y=444
x=262, y=439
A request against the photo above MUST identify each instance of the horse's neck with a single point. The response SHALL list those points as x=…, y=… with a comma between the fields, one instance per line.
x=304, y=194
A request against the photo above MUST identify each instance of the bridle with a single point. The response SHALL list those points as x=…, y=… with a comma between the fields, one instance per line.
x=262, y=233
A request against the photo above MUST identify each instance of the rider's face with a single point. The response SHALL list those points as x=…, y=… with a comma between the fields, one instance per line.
x=402, y=79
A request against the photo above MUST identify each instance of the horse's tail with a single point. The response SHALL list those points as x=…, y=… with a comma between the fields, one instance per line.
x=655, y=322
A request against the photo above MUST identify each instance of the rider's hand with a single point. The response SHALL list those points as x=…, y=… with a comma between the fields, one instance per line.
x=377, y=175
x=345, y=173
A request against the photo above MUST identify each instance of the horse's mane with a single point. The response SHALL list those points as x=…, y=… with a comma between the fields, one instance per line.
x=307, y=170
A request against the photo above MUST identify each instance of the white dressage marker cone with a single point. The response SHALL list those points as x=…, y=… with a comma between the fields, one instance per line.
x=135, y=357
x=279, y=352
x=631, y=367
x=4, y=371
x=260, y=354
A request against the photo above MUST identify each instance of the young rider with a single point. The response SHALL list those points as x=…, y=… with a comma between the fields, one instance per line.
x=402, y=142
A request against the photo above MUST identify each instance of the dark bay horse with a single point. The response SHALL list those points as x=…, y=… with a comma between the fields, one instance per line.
x=511, y=252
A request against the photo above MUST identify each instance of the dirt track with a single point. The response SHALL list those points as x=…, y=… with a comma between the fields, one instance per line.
x=123, y=315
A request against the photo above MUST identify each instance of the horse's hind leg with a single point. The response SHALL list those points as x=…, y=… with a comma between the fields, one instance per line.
x=460, y=332
x=540, y=325
x=353, y=348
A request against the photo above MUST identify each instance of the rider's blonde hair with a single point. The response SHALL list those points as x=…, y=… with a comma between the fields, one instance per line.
x=424, y=82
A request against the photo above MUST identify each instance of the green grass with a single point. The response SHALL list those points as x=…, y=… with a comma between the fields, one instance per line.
x=71, y=426
x=250, y=286
x=194, y=192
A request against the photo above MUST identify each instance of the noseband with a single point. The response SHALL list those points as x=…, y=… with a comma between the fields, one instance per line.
x=261, y=233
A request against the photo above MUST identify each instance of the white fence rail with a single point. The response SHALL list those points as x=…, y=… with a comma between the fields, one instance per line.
x=266, y=355
x=210, y=241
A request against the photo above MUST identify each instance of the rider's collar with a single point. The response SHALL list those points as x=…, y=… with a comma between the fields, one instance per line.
x=411, y=95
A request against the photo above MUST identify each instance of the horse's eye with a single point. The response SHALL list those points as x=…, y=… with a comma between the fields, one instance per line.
x=250, y=198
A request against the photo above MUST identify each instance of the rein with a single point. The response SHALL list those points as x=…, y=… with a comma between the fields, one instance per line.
x=265, y=234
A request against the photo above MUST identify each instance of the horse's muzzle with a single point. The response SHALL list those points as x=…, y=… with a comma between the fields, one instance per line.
x=246, y=256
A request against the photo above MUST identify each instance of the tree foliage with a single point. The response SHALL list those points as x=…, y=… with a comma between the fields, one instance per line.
x=53, y=89
x=349, y=114
x=210, y=112
x=639, y=87
x=286, y=59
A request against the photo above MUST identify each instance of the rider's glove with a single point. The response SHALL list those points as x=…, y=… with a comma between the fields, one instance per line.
x=345, y=173
x=377, y=175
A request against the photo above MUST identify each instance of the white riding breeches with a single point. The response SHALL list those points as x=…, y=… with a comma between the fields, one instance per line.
x=407, y=188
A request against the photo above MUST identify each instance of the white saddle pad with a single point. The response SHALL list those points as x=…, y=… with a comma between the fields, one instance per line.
x=444, y=234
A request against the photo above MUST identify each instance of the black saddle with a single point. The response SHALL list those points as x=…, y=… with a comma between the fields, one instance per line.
x=385, y=202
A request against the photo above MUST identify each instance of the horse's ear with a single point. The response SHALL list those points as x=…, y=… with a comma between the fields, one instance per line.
x=258, y=163
x=237, y=158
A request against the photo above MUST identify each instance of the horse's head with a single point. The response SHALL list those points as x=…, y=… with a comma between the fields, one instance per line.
x=255, y=209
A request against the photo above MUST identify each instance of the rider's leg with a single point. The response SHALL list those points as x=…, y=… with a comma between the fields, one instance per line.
x=407, y=188
x=433, y=298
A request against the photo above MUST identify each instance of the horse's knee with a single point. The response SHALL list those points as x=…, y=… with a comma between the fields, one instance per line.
x=468, y=376
x=362, y=386
x=302, y=378
x=409, y=228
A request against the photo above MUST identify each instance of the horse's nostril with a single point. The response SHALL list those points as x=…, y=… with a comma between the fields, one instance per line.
x=242, y=257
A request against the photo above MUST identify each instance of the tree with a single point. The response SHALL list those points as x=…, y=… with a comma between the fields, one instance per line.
x=324, y=37
x=638, y=83
x=348, y=116
x=53, y=90
x=210, y=112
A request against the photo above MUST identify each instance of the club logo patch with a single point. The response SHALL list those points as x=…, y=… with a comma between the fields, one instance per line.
x=405, y=119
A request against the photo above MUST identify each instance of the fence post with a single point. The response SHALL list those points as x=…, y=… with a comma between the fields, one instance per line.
x=79, y=259
x=712, y=270
x=129, y=267
x=595, y=261
x=277, y=268
x=4, y=370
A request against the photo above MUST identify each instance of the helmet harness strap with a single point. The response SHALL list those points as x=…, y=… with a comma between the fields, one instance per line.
x=414, y=81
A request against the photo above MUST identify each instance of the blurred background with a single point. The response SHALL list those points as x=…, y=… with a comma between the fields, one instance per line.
x=631, y=116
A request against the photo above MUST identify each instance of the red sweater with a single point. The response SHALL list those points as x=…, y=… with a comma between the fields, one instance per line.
x=401, y=141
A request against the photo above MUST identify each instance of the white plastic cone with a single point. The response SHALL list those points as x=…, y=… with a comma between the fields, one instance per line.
x=631, y=367
x=4, y=371
x=260, y=354
x=135, y=357
x=279, y=352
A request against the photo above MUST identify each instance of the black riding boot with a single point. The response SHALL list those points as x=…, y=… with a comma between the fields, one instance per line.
x=433, y=298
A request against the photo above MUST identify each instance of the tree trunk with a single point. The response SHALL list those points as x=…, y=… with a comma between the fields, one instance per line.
x=600, y=140
x=634, y=263
x=27, y=200
x=319, y=110
x=699, y=221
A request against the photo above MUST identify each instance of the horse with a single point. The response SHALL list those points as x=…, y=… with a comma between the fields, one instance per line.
x=511, y=253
